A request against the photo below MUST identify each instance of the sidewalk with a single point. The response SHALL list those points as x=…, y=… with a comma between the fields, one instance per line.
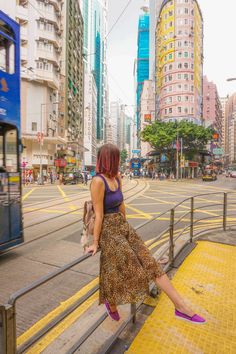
x=207, y=279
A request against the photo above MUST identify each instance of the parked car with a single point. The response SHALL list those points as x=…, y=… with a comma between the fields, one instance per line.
x=73, y=178
x=209, y=175
x=233, y=174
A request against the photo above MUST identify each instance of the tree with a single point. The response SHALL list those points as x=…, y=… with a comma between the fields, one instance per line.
x=123, y=156
x=162, y=136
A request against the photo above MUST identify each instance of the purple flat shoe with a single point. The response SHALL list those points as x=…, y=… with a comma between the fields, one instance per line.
x=113, y=315
x=194, y=319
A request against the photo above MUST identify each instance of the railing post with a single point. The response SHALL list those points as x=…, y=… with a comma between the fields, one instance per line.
x=133, y=312
x=171, y=241
x=191, y=219
x=7, y=330
x=225, y=212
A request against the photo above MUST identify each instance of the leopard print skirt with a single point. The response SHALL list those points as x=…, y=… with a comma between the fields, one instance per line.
x=126, y=265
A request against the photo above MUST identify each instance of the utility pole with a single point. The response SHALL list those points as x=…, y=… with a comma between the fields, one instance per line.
x=40, y=146
x=181, y=158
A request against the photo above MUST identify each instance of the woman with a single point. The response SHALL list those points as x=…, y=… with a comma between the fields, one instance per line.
x=126, y=265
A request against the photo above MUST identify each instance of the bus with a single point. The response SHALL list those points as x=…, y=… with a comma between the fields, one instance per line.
x=135, y=167
x=11, y=230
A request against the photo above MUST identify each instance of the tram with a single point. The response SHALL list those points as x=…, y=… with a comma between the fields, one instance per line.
x=135, y=167
x=11, y=229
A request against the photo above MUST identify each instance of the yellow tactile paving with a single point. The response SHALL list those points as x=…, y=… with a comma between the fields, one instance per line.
x=207, y=279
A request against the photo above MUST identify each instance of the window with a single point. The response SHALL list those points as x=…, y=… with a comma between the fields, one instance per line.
x=186, y=110
x=186, y=87
x=165, y=68
x=180, y=66
x=179, y=110
x=170, y=67
x=179, y=98
x=185, y=76
x=186, y=21
x=192, y=88
x=186, y=10
x=192, y=110
x=186, y=43
x=179, y=43
x=170, y=110
x=170, y=77
x=180, y=54
x=186, y=54
x=34, y=126
x=7, y=55
x=165, y=111
x=170, y=88
x=192, y=77
x=192, y=55
x=179, y=76
x=179, y=87
x=170, y=56
x=186, y=98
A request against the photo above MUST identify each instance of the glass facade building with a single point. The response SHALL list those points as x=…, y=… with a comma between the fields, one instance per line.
x=142, y=60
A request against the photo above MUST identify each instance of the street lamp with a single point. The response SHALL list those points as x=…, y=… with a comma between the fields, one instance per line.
x=231, y=79
x=41, y=181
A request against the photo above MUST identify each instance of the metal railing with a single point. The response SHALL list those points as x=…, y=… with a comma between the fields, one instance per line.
x=167, y=242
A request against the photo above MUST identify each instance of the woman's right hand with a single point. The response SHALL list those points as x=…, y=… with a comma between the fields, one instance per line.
x=92, y=249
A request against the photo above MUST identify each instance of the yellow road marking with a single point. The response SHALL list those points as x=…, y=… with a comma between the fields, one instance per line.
x=63, y=193
x=138, y=211
x=28, y=194
x=51, y=315
x=62, y=326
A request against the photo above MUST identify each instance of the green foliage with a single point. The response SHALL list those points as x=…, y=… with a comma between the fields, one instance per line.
x=162, y=136
x=123, y=156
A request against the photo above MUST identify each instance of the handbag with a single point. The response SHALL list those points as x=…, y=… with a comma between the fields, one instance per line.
x=88, y=224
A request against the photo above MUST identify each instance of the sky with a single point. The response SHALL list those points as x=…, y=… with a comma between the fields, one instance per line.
x=219, y=46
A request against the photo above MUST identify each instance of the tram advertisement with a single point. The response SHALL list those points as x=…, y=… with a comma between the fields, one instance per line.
x=9, y=71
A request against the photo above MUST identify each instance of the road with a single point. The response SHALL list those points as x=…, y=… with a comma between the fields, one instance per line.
x=52, y=217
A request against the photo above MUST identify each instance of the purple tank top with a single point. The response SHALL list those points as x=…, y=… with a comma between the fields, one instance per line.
x=112, y=199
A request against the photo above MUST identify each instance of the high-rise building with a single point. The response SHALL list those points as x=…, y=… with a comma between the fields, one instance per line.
x=115, y=116
x=147, y=111
x=90, y=113
x=179, y=61
x=212, y=109
x=95, y=49
x=142, y=62
x=41, y=43
x=154, y=8
x=225, y=127
x=230, y=117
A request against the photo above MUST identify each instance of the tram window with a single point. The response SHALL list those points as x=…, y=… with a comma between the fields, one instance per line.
x=11, y=150
x=7, y=55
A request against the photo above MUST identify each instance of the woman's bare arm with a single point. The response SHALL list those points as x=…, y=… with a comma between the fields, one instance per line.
x=97, y=193
x=122, y=206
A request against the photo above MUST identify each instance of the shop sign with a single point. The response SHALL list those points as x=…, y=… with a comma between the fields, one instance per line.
x=218, y=151
x=193, y=164
x=60, y=163
x=147, y=118
x=71, y=160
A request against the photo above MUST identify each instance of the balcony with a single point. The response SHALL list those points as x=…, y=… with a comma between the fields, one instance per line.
x=52, y=56
x=22, y=13
x=51, y=36
x=52, y=78
x=50, y=16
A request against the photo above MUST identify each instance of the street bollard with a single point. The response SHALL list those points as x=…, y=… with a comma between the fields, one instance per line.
x=171, y=241
x=191, y=219
x=225, y=212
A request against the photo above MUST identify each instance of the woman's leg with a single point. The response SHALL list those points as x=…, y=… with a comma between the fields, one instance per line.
x=164, y=283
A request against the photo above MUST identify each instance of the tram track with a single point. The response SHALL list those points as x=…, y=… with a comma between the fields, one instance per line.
x=67, y=225
x=62, y=199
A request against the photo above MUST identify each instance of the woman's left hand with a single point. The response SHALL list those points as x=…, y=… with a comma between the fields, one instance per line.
x=92, y=249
